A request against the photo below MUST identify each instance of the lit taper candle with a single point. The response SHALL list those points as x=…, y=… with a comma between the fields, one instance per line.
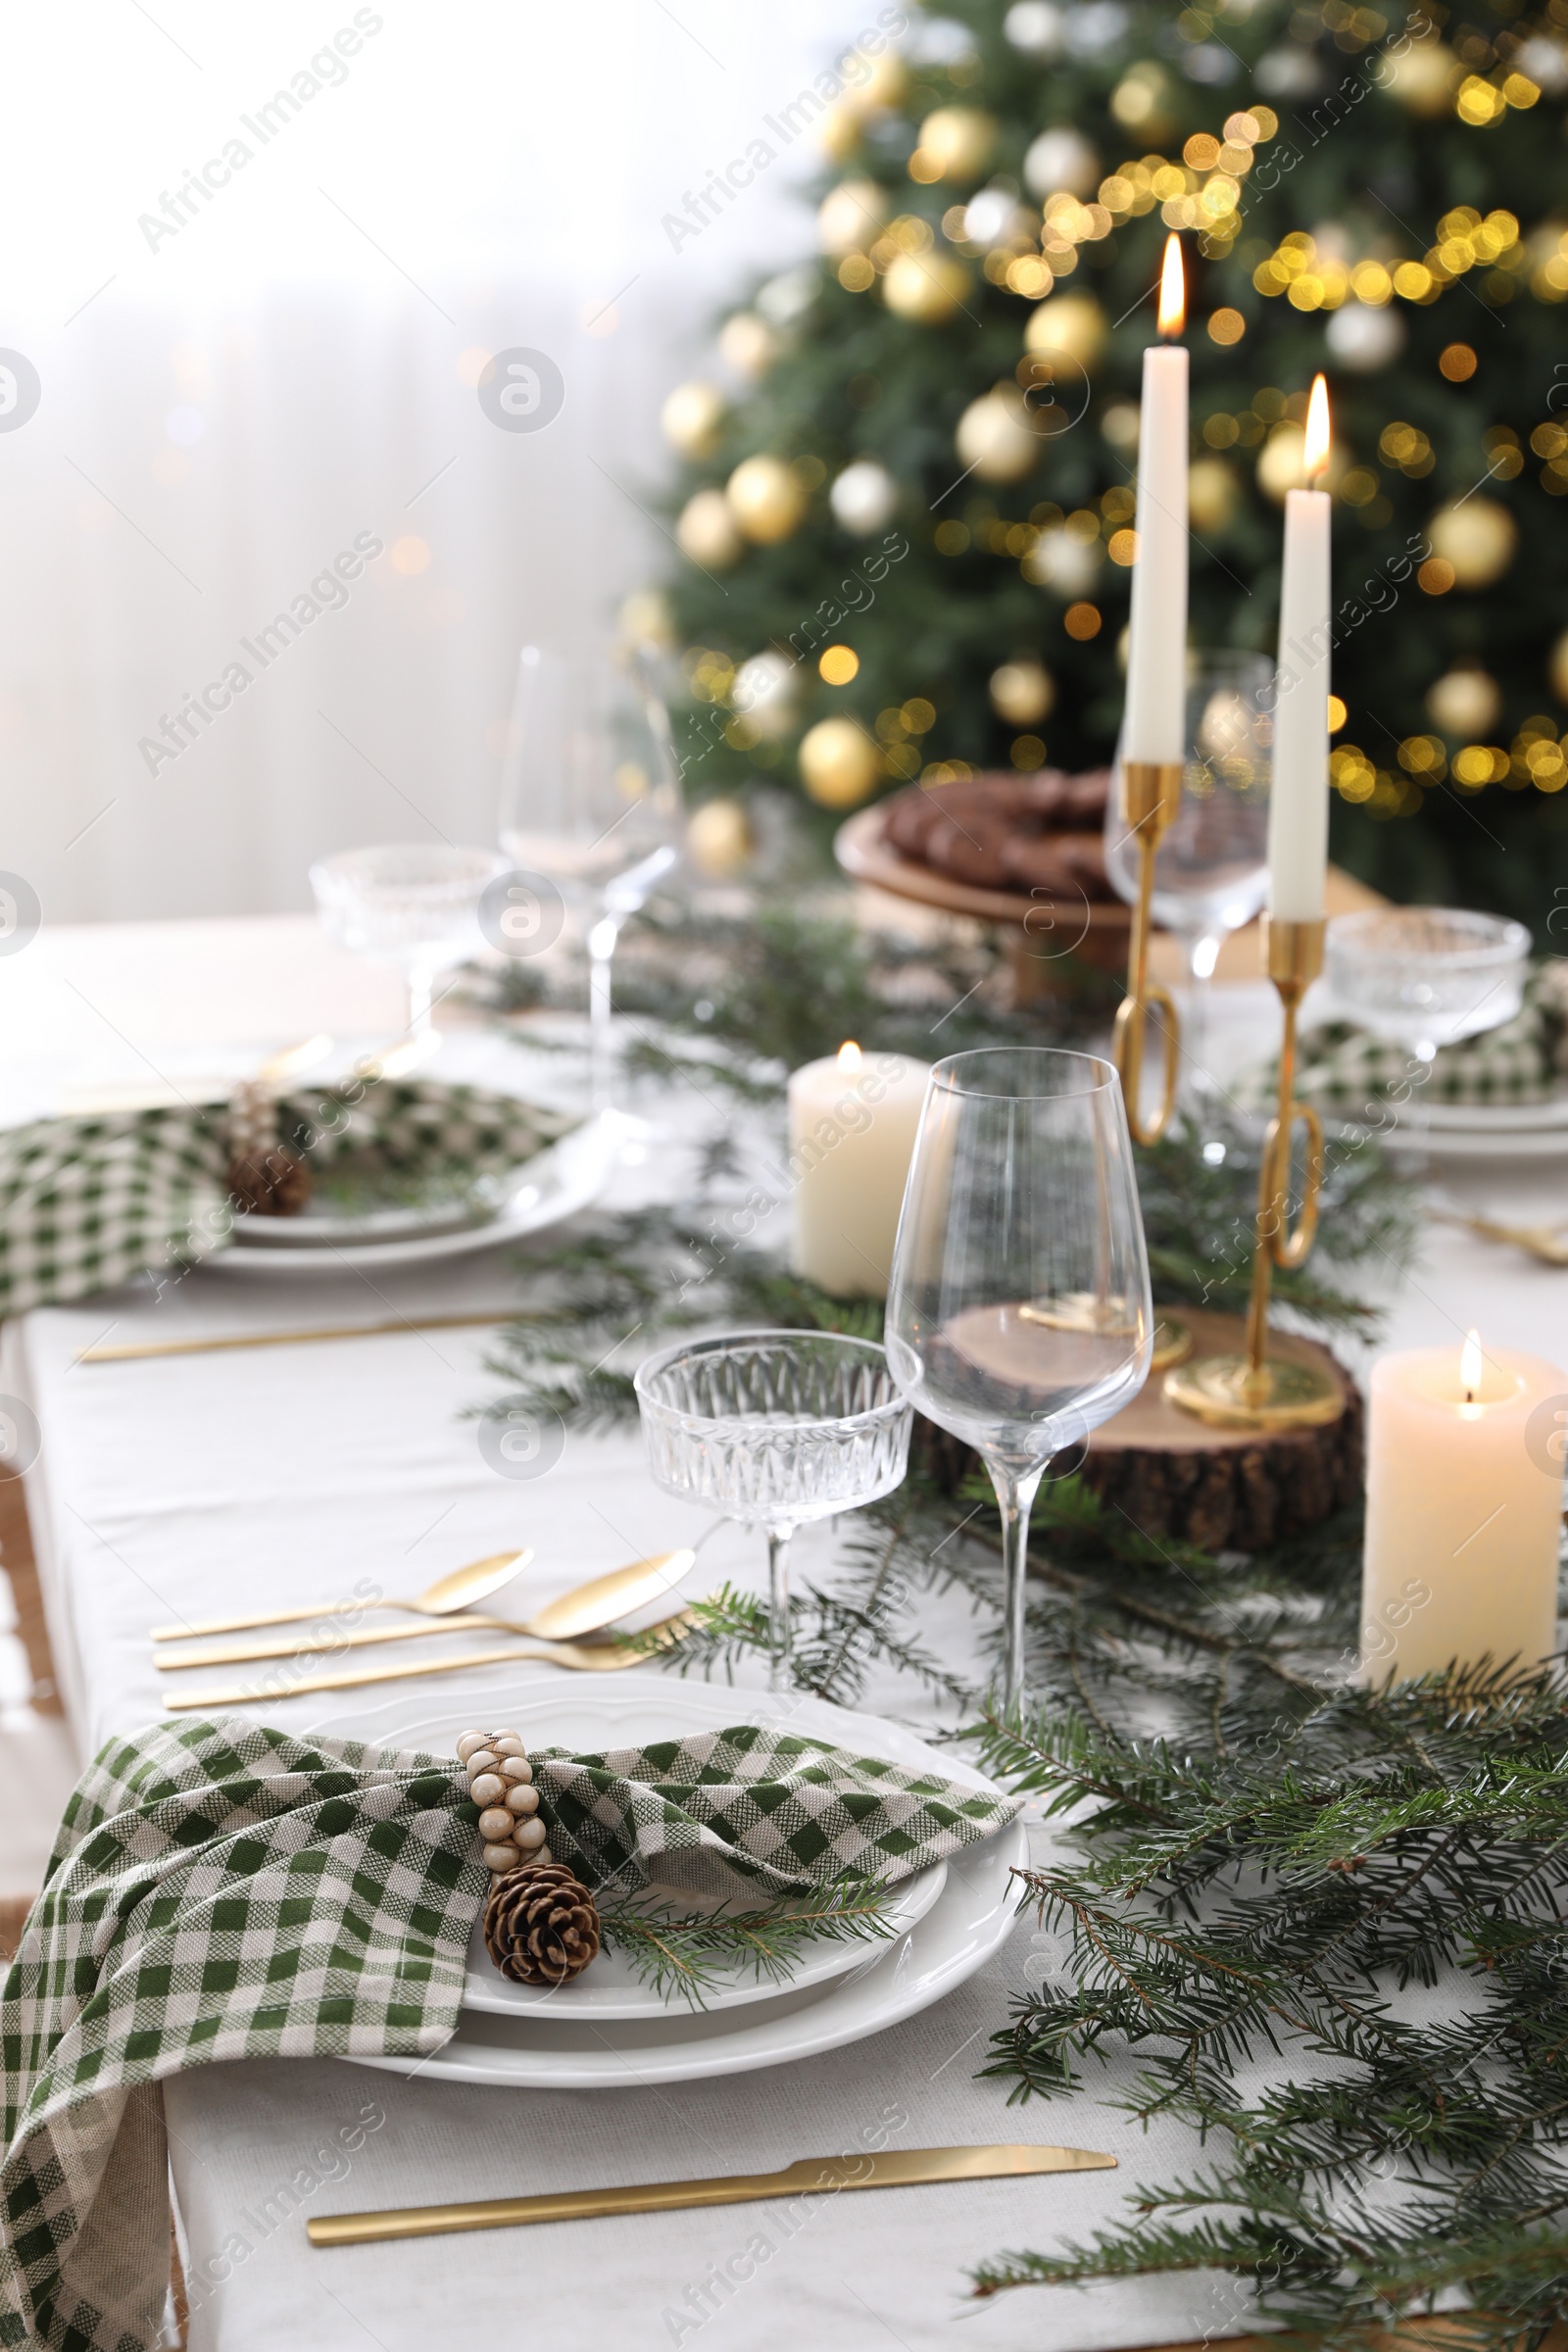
x=1299, y=804
x=1155, y=726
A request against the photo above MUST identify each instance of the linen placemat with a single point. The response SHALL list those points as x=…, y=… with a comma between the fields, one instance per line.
x=222, y=1890
x=87, y=1202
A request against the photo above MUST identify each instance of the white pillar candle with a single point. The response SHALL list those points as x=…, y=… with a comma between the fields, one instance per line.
x=1464, y=1498
x=1298, y=799
x=853, y=1125
x=1155, y=726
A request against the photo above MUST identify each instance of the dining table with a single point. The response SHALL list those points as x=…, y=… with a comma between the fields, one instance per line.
x=171, y=1488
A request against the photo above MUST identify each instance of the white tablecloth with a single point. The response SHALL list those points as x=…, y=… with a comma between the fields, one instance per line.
x=178, y=1488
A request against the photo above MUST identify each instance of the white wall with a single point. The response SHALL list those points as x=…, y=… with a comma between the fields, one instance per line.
x=223, y=412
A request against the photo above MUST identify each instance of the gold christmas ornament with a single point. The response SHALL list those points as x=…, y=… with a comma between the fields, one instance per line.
x=1022, y=692
x=995, y=439
x=884, y=86
x=765, y=500
x=1140, y=101
x=925, y=287
x=749, y=344
x=1073, y=325
x=707, y=532
x=1212, y=491
x=720, y=840
x=691, y=417
x=1478, y=538
x=852, y=217
x=646, y=619
x=1421, y=77
x=1557, y=668
x=840, y=765
x=1464, y=702
x=955, y=143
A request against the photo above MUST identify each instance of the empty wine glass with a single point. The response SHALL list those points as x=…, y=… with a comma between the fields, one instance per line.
x=411, y=903
x=1425, y=977
x=775, y=1428
x=1019, y=1312
x=590, y=797
x=1212, y=867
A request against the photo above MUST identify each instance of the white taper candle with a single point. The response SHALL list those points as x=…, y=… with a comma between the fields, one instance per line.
x=1155, y=728
x=1298, y=803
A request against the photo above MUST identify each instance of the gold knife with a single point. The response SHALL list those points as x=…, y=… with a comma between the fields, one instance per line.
x=275, y=1645
x=900, y=2168
x=135, y=1351
x=607, y=1657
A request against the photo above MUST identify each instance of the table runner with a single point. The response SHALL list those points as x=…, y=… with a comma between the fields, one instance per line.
x=225, y=1891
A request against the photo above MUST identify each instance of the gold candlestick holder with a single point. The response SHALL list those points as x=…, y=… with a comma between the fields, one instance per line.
x=1259, y=1391
x=1150, y=795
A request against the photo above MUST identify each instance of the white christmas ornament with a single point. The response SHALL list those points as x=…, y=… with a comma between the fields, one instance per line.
x=996, y=218
x=748, y=344
x=765, y=692
x=865, y=497
x=1062, y=159
x=1363, y=339
x=1067, y=564
x=1034, y=27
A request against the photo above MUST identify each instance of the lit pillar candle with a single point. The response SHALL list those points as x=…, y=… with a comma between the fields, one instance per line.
x=1155, y=726
x=852, y=1124
x=1298, y=799
x=1464, y=1495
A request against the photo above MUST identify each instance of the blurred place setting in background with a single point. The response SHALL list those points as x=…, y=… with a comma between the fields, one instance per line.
x=783, y=1113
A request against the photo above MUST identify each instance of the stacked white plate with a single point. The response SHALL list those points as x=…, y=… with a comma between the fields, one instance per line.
x=607, y=2028
x=555, y=1184
x=1490, y=1130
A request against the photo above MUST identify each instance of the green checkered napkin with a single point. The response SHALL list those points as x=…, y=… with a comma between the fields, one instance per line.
x=220, y=1891
x=88, y=1203
x=1346, y=1072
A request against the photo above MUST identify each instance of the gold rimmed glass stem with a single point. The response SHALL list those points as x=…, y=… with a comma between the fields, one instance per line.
x=1150, y=795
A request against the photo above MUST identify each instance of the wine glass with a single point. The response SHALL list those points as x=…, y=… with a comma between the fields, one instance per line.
x=1018, y=1310
x=590, y=799
x=1212, y=867
x=775, y=1428
x=411, y=903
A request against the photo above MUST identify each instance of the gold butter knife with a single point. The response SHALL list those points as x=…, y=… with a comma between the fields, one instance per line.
x=605, y=1658
x=901, y=2168
x=137, y=1351
x=169, y=1658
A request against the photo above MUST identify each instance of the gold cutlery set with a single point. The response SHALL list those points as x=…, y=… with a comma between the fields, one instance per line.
x=326, y=1629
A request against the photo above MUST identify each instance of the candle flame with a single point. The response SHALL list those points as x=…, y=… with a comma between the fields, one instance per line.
x=1172, y=290
x=1470, y=1366
x=849, y=1056
x=1315, y=453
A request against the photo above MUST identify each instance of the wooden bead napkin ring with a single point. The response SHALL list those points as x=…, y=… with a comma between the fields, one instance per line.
x=501, y=1784
x=541, y=1926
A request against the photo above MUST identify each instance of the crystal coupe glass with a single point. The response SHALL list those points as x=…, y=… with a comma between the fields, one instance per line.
x=414, y=904
x=1018, y=1310
x=775, y=1428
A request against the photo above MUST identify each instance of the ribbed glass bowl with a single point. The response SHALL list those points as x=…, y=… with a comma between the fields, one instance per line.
x=774, y=1428
x=1426, y=976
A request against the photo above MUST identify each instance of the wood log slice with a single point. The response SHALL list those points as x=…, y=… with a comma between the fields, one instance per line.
x=1225, y=1489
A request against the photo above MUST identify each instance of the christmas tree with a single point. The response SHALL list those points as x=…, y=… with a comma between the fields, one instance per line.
x=908, y=487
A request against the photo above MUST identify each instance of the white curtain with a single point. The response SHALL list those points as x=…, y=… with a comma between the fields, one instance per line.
x=236, y=386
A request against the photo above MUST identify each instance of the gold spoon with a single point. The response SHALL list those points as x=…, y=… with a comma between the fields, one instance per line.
x=583, y=1610
x=1548, y=1243
x=610, y=1658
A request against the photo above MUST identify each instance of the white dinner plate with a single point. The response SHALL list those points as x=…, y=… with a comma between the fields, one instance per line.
x=555, y=1184
x=1499, y=1118
x=871, y=1987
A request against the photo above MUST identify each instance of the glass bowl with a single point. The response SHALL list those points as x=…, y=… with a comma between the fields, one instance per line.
x=1426, y=976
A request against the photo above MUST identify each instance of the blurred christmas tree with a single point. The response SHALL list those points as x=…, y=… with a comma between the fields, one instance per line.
x=906, y=524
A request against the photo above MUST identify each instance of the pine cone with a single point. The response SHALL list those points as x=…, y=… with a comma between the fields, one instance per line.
x=270, y=1184
x=541, y=1926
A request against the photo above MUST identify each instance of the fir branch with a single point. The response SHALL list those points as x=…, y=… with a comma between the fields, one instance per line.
x=689, y=1955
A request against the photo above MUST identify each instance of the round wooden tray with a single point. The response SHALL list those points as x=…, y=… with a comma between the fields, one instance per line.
x=1223, y=1489
x=1094, y=930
